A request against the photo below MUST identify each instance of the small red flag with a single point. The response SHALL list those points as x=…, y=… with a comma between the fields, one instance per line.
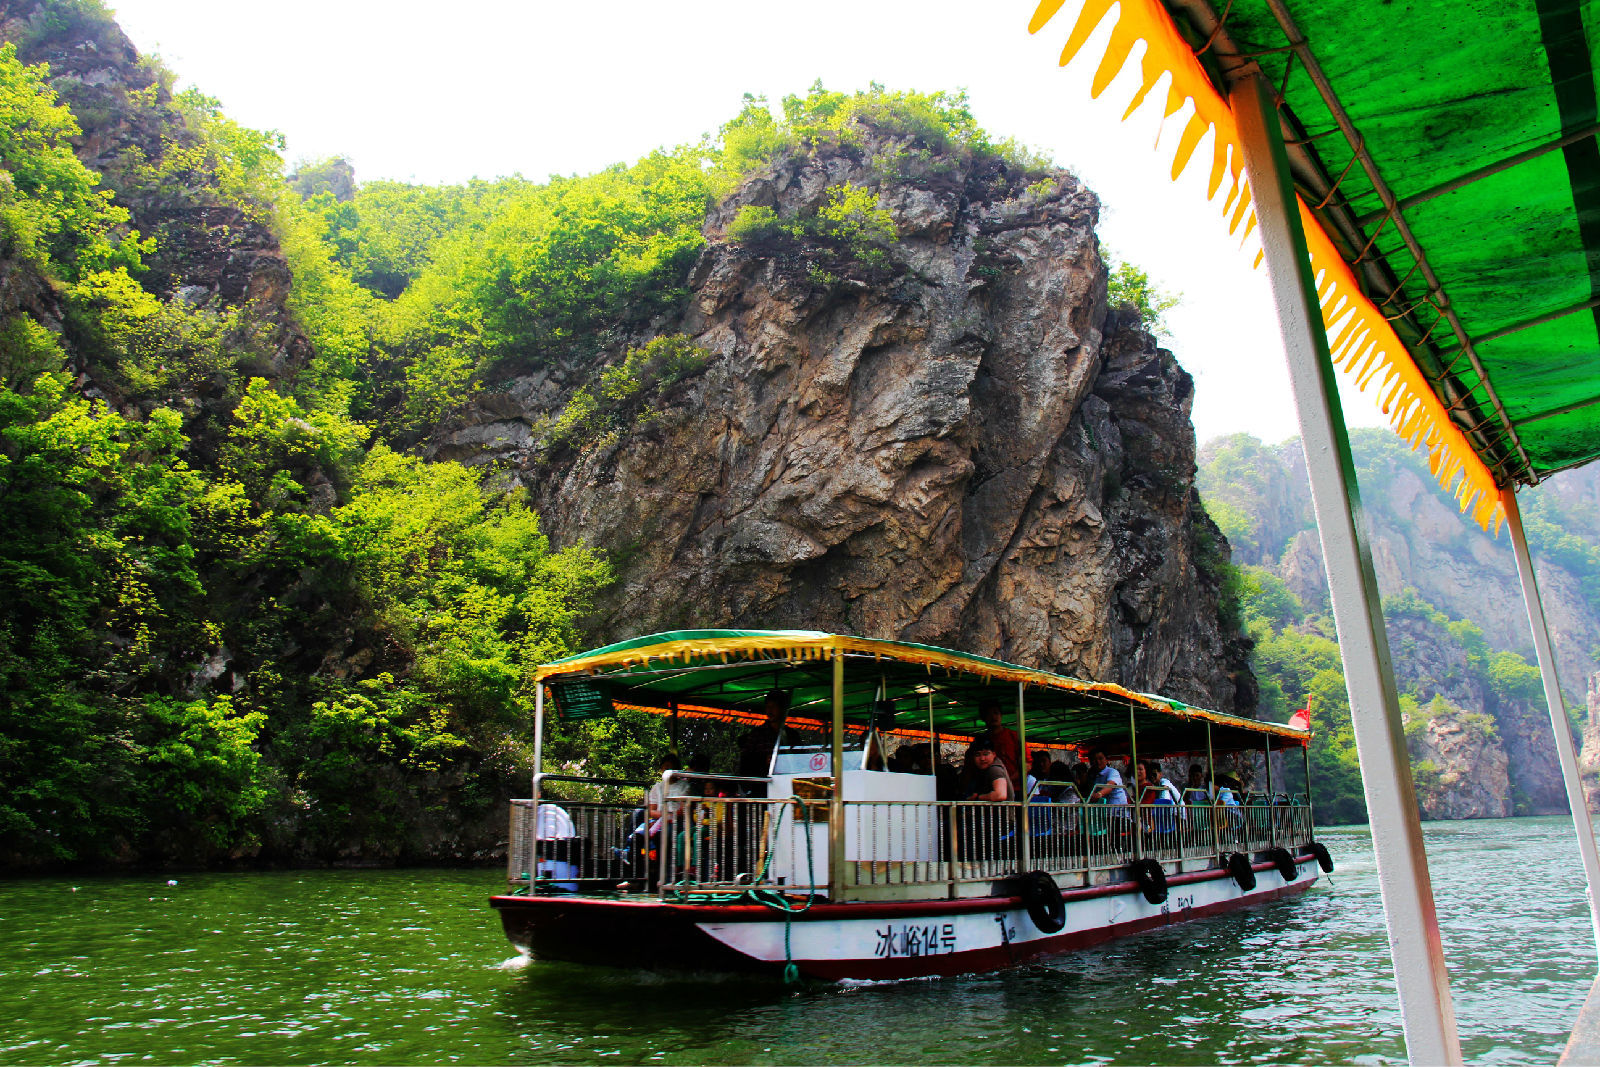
x=1301, y=720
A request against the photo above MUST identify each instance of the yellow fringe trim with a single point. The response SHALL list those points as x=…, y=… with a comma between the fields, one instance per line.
x=821, y=646
x=1363, y=344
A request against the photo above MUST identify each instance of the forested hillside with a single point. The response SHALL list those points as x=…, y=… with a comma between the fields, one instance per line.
x=1477, y=725
x=250, y=610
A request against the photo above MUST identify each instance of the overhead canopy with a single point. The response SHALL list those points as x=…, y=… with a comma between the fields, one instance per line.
x=1444, y=151
x=726, y=674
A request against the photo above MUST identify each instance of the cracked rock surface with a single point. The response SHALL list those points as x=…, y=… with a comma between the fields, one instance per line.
x=960, y=446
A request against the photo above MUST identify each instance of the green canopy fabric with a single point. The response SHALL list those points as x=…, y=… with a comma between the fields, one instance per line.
x=904, y=686
x=1445, y=155
x=1440, y=93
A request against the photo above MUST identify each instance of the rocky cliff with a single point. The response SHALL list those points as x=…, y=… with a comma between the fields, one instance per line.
x=1453, y=604
x=1460, y=766
x=211, y=249
x=960, y=445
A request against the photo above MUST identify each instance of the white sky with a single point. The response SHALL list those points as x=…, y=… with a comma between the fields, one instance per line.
x=487, y=88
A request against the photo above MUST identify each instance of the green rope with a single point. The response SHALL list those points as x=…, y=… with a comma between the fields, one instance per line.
x=683, y=893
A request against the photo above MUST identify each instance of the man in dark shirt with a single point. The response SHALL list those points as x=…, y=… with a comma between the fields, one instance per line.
x=755, y=749
x=993, y=783
x=1006, y=744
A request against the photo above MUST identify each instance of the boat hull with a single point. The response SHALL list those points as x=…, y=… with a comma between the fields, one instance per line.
x=876, y=940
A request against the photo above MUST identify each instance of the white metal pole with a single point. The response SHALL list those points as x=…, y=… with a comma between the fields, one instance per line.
x=836, y=801
x=538, y=744
x=1025, y=849
x=1581, y=823
x=1426, y=1010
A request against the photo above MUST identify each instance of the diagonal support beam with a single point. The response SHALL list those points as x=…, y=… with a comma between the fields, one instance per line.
x=1483, y=172
x=1424, y=986
x=1568, y=758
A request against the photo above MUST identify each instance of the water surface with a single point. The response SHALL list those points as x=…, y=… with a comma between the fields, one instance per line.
x=410, y=967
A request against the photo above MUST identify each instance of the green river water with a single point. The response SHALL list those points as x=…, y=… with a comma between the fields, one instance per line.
x=410, y=967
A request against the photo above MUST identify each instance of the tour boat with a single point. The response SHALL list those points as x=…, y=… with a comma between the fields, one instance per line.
x=834, y=866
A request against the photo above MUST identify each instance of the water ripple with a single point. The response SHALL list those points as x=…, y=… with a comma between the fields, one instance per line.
x=409, y=967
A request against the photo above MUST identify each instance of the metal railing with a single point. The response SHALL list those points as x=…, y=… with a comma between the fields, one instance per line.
x=729, y=845
x=703, y=847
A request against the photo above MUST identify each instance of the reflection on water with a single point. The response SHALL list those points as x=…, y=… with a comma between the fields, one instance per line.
x=410, y=967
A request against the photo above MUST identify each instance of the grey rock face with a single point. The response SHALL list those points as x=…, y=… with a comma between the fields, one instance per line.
x=959, y=447
x=1470, y=770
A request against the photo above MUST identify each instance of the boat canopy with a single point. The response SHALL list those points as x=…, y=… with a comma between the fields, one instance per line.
x=1445, y=158
x=726, y=674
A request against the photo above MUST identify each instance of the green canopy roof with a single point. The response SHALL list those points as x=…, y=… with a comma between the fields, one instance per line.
x=726, y=674
x=1438, y=93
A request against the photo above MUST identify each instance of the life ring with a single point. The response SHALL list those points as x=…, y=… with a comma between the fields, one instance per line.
x=1046, y=906
x=1319, y=852
x=1285, y=863
x=1238, y=865
x=1152, y=880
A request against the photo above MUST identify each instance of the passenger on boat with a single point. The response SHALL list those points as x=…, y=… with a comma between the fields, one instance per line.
x=662, y=806
x=1038, y=775
x=1159, y=776
x=1083, y=778
x=757, y=746
x=1196, y=792
x=1108, y=787
x=1004, y=742
x=1066, y=791
x=1041, y=821
x=1161, y=816
x=992, y=781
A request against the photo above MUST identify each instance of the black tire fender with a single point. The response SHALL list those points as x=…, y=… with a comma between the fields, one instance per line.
x=1238, y=865
x=1319, y=852
x=1046, y=906
x=1152, y=879
x=1287, y=867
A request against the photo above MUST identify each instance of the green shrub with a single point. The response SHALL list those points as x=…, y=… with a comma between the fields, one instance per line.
x=755, y=223
x=853, y=218
x=1128, y=286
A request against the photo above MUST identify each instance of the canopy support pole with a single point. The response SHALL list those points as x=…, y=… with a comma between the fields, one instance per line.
x=1581, y=823
x=1025, y=848
x=836, y=802
x=1272, y=822
x=1129, y=787
x=538, y=745
x=1211, y=790
x=1426, y=1010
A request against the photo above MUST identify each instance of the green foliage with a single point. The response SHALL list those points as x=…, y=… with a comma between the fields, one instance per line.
x=51, y=213
x=853, y=218
x=244, y=167
x=754, y=224
x=1129, y=286
x=936, y=122
x=1235, y=524
x=1514, y=678
x=1266, y=599
x=560, y=261
x=121, y=571
x=27, y=350
x=647, y=371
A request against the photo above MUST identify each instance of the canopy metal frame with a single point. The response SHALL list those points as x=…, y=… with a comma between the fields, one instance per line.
x=1502, y=449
